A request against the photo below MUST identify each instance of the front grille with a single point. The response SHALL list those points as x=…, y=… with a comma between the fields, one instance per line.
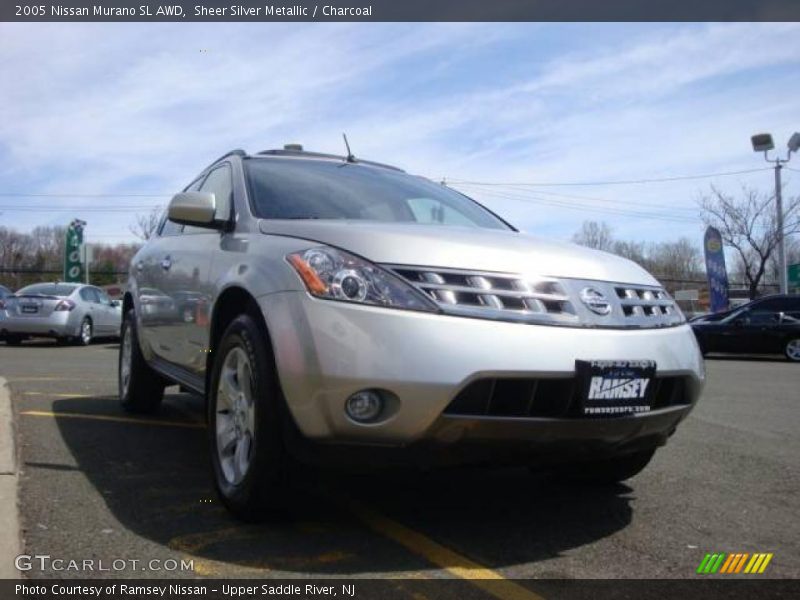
x=644, y=302
x=542, y=300
x=491, y=295
x=545, y=398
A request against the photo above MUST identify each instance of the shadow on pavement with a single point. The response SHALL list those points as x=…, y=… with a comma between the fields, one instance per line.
x=156, y=480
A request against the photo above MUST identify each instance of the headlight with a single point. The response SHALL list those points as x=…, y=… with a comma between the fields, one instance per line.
x=336, y=275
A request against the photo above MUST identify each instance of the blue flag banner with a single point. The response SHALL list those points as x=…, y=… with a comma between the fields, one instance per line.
x=715, y=270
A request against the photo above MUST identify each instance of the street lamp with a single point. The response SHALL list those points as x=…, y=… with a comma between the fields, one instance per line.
x=762, y=142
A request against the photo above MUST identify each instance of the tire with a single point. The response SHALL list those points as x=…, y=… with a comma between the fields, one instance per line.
x=244, y=422
x=14, y=340
x=84, y=337
x=608, y=471
x=141, y=389
x=792, y=349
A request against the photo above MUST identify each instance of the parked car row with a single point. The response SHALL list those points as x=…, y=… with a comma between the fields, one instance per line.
x=68, y=312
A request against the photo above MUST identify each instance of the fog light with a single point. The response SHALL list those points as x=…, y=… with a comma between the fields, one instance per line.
x=364, y=406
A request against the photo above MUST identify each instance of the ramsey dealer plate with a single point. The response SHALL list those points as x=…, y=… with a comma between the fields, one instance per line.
x=615, y=387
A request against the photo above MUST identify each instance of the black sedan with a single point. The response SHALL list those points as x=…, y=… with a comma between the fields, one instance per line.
x=769, y=325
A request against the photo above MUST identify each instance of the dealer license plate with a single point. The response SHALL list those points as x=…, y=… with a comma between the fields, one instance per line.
x=30, y=308
x=611, y=388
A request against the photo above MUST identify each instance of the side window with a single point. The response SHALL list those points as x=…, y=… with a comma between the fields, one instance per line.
x=218, y=182
x=167, y=226
x=90, y=295
x=428, y=210
x=102, y=297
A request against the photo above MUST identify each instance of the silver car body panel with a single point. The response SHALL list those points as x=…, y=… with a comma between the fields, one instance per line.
x=325, y=350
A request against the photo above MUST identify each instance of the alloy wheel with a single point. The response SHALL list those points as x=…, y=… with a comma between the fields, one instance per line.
x=235, y=416
x=793, y=349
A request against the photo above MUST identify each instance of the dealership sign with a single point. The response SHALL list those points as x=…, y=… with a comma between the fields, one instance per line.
x=73, y=270
x=715, y=270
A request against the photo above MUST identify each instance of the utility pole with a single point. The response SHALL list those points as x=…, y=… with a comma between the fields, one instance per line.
x=762, y=142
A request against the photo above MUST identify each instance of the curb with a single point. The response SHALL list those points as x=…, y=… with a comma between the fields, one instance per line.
x=10, y=541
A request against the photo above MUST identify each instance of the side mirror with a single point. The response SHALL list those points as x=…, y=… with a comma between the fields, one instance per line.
x=116, y=303
x=739, y=321
x=194, y=208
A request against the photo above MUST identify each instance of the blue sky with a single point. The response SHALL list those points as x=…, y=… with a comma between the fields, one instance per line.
x=140, y=109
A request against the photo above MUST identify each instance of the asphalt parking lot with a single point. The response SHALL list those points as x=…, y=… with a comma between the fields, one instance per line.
x=98, y=483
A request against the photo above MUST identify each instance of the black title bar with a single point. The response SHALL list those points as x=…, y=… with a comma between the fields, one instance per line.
x=399, y=10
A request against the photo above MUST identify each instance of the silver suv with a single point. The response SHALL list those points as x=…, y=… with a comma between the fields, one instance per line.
x=330, y=308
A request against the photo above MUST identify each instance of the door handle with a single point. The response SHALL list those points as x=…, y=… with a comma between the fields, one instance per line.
x=166, y=263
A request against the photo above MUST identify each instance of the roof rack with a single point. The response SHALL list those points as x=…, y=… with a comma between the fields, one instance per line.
x=307, y=154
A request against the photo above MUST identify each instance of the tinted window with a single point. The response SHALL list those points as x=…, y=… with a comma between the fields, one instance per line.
x=48, y=289
x=102, y=297
x=88, y=295
x=170, y=227
x=317, y=189
x=219, y=183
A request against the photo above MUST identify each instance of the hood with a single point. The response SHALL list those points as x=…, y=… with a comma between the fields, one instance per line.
x=465, y=248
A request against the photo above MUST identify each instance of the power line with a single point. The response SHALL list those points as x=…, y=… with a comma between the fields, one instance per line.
x=590, y=208
x=592, y=198
x=613, y=182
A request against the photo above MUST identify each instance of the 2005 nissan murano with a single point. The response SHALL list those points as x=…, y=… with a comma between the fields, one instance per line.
x=330, y=308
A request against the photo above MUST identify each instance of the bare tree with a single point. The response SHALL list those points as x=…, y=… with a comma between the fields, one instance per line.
x=595, y=235
x=748, y=224
x=147, y=224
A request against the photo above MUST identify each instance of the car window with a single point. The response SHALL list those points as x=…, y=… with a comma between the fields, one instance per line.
x=170, y=227
x=761, y=317
x=324, y=189
x=87, y=294
x=218, y=182
x=429, y=210
x=102, y=297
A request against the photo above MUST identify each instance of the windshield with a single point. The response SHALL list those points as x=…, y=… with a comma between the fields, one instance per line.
x=319, y=189
x=47, y=289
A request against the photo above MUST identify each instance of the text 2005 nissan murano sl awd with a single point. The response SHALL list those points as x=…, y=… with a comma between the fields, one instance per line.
x=327, y=306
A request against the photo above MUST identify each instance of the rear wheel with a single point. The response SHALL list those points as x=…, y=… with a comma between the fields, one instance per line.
x=608, y=471
x=84, y=337
x=792, y=349
x=141, y=389
x=245, y=435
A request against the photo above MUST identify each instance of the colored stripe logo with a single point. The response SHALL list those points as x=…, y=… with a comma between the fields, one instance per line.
x=741, y=562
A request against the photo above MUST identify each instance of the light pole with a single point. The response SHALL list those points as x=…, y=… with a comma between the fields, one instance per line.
x=762, y=142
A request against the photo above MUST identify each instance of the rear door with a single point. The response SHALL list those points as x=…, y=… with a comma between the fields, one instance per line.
x=106, y=315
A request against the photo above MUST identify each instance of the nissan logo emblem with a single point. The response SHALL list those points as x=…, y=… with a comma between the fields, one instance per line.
x=595, y=301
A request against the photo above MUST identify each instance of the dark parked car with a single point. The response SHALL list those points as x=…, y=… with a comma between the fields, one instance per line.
x=769, y=325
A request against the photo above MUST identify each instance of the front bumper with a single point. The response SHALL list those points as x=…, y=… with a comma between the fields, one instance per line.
x=325, y=351
x=57, y=324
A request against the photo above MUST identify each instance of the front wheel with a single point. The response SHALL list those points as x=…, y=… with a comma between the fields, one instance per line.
x=608, y=471
x=245, y=434
x=141, y=389
x=792, y=349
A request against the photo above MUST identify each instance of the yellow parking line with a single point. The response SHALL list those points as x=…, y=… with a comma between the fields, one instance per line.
x=56, y=395
x=454, y=563
x=12, y=379
x=68, y=415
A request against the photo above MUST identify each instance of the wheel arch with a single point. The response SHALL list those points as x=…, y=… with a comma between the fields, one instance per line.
x=231, y=303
